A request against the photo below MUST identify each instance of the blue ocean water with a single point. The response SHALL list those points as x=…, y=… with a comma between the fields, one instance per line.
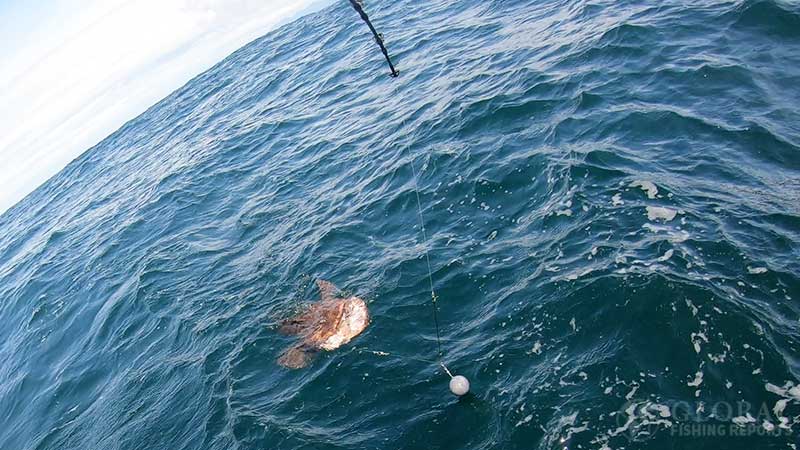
x=611, y=192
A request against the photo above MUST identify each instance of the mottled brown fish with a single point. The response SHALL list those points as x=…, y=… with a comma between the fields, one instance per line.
x=327, y=324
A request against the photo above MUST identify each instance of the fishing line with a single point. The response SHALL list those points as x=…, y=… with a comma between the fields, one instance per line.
x=430, y=272
x=459, y=384
x=378, y=37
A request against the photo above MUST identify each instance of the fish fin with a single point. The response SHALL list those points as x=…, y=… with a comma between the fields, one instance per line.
x=296, y=357
x=327, y=290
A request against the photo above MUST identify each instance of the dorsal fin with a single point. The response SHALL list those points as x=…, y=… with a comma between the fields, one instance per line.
x=327, y=290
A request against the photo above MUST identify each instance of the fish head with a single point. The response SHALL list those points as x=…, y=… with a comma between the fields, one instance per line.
x=353, y=321
x=356, y=315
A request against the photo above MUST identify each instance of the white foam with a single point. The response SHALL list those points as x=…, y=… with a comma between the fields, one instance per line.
x=630, y=394
x=645, y=417
x=780, y=405
x=743, y=420
x=674, y=236
x=666, y=255
x=658, y=212
x=616, y=200
x=756, y=270
x=696, y=339
x=576, y=430
x=701, y=407
x=574, y=276
x=648, y=186
x=789, y=391
x=698, y=379
x=719, y=358
x=663, y=410
x=679, y=236
x=527, y=419
x=691, y=306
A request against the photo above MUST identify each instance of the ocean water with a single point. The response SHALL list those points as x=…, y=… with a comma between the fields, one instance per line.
x=611, y=192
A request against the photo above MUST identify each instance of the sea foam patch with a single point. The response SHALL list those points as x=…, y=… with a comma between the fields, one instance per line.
x=647, y=186
x=661, y=213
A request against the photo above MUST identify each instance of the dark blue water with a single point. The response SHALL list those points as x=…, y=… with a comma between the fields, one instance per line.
x=612, y=196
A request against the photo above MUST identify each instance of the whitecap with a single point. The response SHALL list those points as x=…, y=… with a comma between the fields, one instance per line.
x=648, y=186
x=743, y=420
x=659, y=212
x=666, y=255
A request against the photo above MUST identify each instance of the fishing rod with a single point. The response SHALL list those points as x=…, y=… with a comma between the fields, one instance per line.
x=359, y=7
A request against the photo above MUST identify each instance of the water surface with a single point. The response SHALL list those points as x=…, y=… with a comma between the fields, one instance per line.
x=612, y=201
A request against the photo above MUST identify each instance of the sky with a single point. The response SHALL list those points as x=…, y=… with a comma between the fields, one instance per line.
x=74, y=71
